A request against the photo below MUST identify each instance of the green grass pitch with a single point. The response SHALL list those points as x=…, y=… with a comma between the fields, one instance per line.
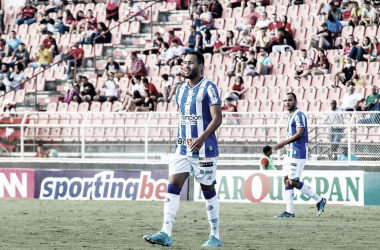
x=38, y=224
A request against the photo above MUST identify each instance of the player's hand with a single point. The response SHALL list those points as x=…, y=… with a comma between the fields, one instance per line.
x=278, y=146
x=196, y=145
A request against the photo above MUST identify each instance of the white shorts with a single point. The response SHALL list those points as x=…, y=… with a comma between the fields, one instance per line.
x=293, y=167
x=203, y=169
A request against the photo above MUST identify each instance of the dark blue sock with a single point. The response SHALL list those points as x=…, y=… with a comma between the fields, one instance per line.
x=300, y=185
x=209, y=194
x=289, y=188
x=173, y=189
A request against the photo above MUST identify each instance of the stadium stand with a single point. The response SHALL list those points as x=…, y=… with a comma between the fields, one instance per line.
x=327, y=50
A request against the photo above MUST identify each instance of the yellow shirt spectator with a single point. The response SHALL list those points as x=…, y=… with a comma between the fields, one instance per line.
x=357, y=12
x=43, y=58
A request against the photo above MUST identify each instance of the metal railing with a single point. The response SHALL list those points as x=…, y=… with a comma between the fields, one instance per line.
x=35, y=76
x=152, y=135
x=126, y=20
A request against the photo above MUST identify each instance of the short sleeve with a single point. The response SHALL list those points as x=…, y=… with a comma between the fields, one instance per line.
x=300, y=120
x=107, y=66
x=213, y=95
x=268, y=60
x=264, y=161
x=117, y=66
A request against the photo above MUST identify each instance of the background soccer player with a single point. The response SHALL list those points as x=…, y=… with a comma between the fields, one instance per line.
x=297, y=152
x=196, y=150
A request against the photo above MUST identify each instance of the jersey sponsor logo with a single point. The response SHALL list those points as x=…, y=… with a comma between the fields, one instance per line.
x=186, y=119
x=190, y=94
x=206, y=164
x=184, y=142
x=189, y=141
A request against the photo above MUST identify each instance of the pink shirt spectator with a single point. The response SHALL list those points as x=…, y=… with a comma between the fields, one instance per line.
x=135, y=65
x=175, y=37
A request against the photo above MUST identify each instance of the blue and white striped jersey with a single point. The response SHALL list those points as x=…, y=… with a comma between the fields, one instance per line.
x=194, y=104
x=298, y=149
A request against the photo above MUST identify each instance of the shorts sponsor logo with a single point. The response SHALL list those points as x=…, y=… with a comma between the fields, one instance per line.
x=210, y=207
x=293, y=164
x=206, y=171
x=209, y=177
x=205, y=159
x=206, y=164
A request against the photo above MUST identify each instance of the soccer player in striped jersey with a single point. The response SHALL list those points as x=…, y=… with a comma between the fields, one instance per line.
x=296, y=144
x=196, y=149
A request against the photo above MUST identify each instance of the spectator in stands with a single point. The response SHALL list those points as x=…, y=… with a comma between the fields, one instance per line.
x=126, y=95
x=135, y=101
x=137, y=66
x=112, y=11
x=334, y=25
x=178, y=81
x=250, y=68
x=172, y=37
x=39, y=151
x=346, y=15
x=70, y=60
x=176, y=52
x=228, y=106
x=322, y=64
x=249, y=19
x=356, y=14
x=2, y=9
x=230, y=42
x=65, y=26
x=205, y=20
x=88, y=18
x=263, y=22
x=334, y=115
x=151, y=88
x=55, y=6
x=87, y=91
x=322, y=40
x=344, y=155
x=147, y=105
x=216, y=9
x=304, y=66
x=195, y=39
x=208, y=42
x=2, y=45
x=113, y=67
x=346, y=75
x=376, y=4
x=112, y=89
x=286, y=42
x=334, y=11
x=374, y=51
x=346, y=49
x=105, y=37
x=266, y=162
x=166, y=87
x=5, y=75
x=43, y=56
x=238, y=3
x=166, y=54
x=49, y=153
x=51, y=44
x=218, y=44
x=156, y=44
x=133, y=9
x=194, y=9
x=351, y=99
x=17, y=77
x=11, y=45
x=358, y=51
x=369, y=15
x=59, y=17
x=8, y=110
x=264, y=63
x=86, y=36
x=240, y=63
x=274, y=25
x=245, y=42
x=263, y=40
x=370, y=101
x=79, y=20
x=237, y=90
x=28, y=14
x=74, y=91
x=179, y=60
x=20, y=55
x=46, y=25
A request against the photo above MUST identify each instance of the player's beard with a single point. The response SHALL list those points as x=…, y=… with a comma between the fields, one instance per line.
x=192, y=75
x=291, y=108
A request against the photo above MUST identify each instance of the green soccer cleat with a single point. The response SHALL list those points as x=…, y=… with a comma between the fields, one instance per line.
x=213, y=242
x=161, y=238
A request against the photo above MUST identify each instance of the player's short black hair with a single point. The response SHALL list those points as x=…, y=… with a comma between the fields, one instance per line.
x=266, y=149
x=200, y=57
x=292, y=94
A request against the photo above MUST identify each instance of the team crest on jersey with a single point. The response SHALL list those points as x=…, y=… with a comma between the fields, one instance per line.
x=210, y=207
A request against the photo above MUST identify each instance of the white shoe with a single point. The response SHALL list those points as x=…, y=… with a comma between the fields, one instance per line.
x=65, y=77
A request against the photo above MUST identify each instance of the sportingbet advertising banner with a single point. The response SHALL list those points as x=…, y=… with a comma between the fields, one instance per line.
x=338, y=187
x=103, y=185
x=16, y=183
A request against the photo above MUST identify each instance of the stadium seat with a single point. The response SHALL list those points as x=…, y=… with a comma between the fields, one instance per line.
x=278, y=106
x=258, y=81
x=270, y=81
x=227, y=13
x=369, y=78
x=297, y=22
x=317, y=81
x=305, y=81
x=254, y=105
x=209, y=70
x=266, y=106
x=373, y=68
x=359, y=31
x=220, y=70
x=229, y=23
x=300, y=92
x=281, y=10
x=274, y=93
x=224, y=82
x=361, y=68
x=346, y=31
x=247, y=81
x=19, y=96
x=242, y=106
x=275, y=56
x=300, y=33
x=322, y=94
x=282, y=81
x=334, y=94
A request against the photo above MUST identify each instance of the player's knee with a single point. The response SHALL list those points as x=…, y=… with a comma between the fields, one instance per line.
x=293, y=183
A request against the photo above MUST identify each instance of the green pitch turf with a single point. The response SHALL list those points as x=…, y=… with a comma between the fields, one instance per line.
x=36, y=224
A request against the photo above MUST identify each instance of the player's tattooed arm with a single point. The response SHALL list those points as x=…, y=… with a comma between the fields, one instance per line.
x=294, y=138
x=216, y=114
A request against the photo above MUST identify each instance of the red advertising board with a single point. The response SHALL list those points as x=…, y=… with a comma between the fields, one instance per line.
x=17, y=183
